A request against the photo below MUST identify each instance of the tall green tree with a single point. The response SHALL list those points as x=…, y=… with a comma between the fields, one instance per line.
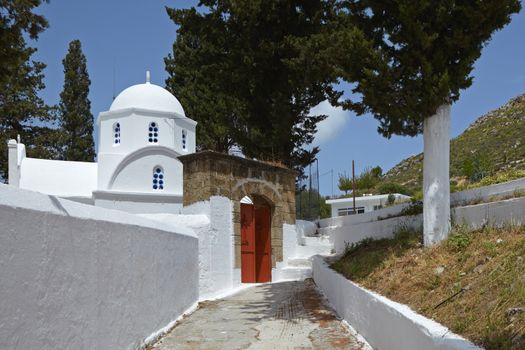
x=369, y=178
x=249, y=71
x=345, y=183
x=76, y=120
x=410, y=62
x=22, y=111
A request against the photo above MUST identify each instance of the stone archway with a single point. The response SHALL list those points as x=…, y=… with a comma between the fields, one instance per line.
x=208, y=174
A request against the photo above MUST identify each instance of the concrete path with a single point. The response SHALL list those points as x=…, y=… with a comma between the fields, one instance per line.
x=286, y=315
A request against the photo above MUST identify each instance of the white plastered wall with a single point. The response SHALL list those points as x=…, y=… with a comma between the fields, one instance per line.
x=134, y=130
x=80, y=277
x=384, y=323
x=137, y=175
x=59, y=178
x=216, y=256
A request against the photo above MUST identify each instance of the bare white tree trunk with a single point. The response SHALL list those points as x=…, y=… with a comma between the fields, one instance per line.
x=436, y=176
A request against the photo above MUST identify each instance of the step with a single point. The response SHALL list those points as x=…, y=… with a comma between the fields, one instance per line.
x=293, y=273
x=307, y=251
x=299, y=262
x=321, y=241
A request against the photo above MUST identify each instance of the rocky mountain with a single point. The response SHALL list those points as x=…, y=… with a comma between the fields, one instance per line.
x=494, y=142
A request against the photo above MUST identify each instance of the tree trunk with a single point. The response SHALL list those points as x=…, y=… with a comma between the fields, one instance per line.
x=436, y=176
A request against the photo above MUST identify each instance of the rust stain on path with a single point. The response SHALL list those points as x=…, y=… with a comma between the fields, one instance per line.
x=286, y=315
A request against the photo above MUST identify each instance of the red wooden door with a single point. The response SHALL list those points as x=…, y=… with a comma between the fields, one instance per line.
x=263, y=256
x=247, y=243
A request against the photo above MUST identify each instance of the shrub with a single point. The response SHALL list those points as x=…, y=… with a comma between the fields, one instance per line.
x=475, y=167
x=499, y=178
x=459, y=239
x=392, y=187
x=415, y=208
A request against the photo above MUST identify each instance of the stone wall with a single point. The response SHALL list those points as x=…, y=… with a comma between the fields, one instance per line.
x=208, y=174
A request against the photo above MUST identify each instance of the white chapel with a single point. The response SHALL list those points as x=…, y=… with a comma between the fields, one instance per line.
x=140, y=139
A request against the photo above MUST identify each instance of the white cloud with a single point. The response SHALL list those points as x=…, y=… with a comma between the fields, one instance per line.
x=331, y=126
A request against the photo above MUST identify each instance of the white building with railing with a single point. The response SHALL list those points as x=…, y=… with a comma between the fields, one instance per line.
x=363, y=204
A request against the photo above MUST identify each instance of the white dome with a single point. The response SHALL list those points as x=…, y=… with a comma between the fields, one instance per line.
x=147, y=96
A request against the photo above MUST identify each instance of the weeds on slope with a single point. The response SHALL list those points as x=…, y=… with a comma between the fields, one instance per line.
x=473, y=283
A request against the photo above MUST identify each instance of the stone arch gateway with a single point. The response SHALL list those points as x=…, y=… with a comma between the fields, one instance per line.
x=208, y=174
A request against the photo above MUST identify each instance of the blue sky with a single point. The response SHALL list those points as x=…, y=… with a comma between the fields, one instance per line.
x=122, y=39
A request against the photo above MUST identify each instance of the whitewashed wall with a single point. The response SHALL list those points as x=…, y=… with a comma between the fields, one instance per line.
x=75, y=276
x=484, y=193
x=343, y=235
x=384, y=323
x=350, y=229
x=493, y=214
x=217, y=274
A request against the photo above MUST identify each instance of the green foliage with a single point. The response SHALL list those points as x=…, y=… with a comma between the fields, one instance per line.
x=498, y=135
x=310, y=205
x=391, y=187
x=418, y=196
x=376, y=172
x=326, y=210
x=476, y=167
x=344, y=183
x=369, y=178
x=415, y=55
x=22, y=111
x=459, y=239
x=76, y=120
x=250, y=71
x=503, y=176
x=415, y=208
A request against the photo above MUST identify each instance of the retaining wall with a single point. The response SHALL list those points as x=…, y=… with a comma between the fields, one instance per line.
x=344, y=235
x=75, y=276
x=484, y=193
x=456, y=199
x=350, y=229
x=384, y=323
x=494, y=214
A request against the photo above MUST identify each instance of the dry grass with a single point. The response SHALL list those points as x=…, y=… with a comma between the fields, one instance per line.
x=486, y=269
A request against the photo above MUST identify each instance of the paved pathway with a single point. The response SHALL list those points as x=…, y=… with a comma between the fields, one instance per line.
x=286, y=315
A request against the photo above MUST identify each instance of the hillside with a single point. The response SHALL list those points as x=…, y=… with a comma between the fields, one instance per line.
x=494, y=142
x=473, y=283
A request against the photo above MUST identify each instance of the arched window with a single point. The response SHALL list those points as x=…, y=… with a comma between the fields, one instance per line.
x=184, y=132
x=153, y=136
x=116, y=132
x=158, y=178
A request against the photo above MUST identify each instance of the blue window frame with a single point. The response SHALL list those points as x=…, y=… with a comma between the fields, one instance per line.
x=116, y=134
x=184, y=137
x=153, y=132
x=158, y=178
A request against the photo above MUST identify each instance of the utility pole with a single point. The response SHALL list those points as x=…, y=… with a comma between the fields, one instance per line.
x=318, y=191
x=353, y=184
x=332, y=171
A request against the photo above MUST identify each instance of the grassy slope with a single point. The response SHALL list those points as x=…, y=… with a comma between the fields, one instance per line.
x=499, y=136
x=488, y=265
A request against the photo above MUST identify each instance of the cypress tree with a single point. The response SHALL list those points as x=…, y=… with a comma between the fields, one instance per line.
x=22, y=111
x=250, y=71
x=75, y=108
x=411, y=61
